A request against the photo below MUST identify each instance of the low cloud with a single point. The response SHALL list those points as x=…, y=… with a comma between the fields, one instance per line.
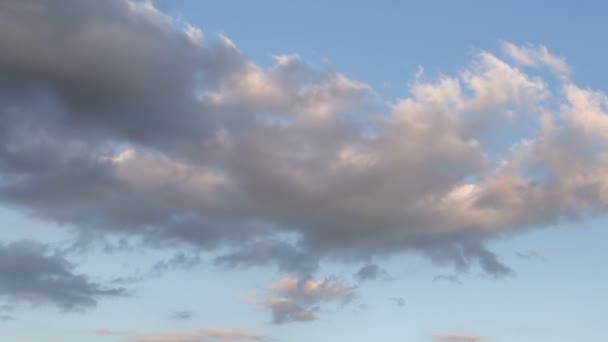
x=372, y=272
x=399, y=301
x=530, y=256
x=295, y=299
x=109, y=332
x=33, y=273
x=5, y=313
x=207, y=335
x=447, y=278
x=181, y=315
x=457, y=337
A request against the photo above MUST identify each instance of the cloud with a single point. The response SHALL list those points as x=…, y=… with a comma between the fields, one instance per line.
x=109, y=332
x=457, y=337
x=181, y=139
x=296, y=299
x=6, y=313
x=371, y=272
x=287, y=256
x=285, y=310
x=448, y=278
x=536, y=55
x=32, y=273
x=206, y=335
x=530, y=256
x=399, y=301
x=179, y=261
x=181, y=315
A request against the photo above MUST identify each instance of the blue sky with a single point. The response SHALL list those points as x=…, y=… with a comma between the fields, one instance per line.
x=187, y=171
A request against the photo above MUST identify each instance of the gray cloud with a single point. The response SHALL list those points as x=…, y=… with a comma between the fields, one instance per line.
x=32, y=273
x=447, y=278
x=179, y=261
x=371, y=272
x=399, y=301
x=182, y=315
x=5, y=313
x=530, y=256
x=182, y=139
x=294, y=299
x=289, y=258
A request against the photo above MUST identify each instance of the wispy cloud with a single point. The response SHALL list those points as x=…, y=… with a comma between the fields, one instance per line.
x=32, y=272
x=199, y=336
x=457, y=337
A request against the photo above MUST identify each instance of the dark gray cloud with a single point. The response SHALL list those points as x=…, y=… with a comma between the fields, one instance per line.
x=117, y=119
x=32, y=273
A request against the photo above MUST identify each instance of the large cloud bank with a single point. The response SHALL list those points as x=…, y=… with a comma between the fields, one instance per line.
x=118, y=119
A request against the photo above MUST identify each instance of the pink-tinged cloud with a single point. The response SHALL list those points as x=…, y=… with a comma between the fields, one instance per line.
x=296, y=299
x=109, y=332
x=457, y=337
x=206, y=335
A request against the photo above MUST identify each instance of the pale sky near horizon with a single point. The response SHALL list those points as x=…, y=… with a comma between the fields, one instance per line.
x=207, y=171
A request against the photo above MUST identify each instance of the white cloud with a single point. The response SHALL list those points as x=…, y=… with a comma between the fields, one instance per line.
x=535, y=56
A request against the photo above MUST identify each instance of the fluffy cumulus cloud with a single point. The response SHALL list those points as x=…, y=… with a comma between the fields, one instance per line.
x=117, y=119
x=295, y=299
x=31, y=273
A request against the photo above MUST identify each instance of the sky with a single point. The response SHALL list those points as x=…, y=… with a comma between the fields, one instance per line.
x=209, y=171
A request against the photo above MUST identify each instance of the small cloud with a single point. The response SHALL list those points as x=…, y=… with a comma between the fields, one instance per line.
x=181, y=315
x=286, y=310
x=535, y=56
x=5, y=311
x=399, y=301
x=447, y=278
x=35, y=273
x=109, y=332
x=530, y=256
x=296, y=299
x=456, y=337
x=371, y=272
x=200, y=336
